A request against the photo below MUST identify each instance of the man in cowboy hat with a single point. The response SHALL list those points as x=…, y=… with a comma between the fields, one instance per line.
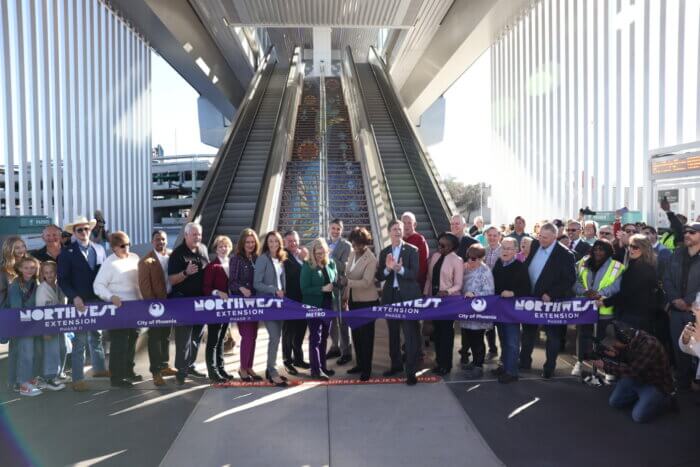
x=78, y=265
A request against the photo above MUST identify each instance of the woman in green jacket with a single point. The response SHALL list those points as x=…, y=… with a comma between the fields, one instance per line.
x=318, y=276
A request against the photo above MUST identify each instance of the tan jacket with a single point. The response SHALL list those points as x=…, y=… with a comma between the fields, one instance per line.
x=151, y=277
x=451, y=274
x=361, y=277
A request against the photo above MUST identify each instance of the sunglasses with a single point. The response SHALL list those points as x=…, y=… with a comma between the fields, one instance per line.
x=82, y=229
x=634, y=247
x=690, y=232
x=125, y=245
x=572, y=230
x=607, y=234
x=471, y=258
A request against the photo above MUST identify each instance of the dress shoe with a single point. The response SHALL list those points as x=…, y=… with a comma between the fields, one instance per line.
x=354, y=370
x=302, y=364
x=225, y=375
x=101, y=374
x=498, y=371
x=180, y=380
x=216, y=378
x=392, y=372
x=328, y=371
x=333, y=353
x=411, y=380
x=343, y=360
x=197, y=374
x=167, y=371
x=121, y=383
x=290, y=369
x=547, y=374
x=134, y=378
x=158, y=379
x=255, y=376
x=364, y=377
x=245, y=376
x=505, y=378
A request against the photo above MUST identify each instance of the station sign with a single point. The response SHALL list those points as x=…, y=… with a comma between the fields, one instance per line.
x=608, y=217
x=23, y=225
x=675, y=165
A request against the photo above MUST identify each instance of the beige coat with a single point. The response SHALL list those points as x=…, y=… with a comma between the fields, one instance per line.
x=361, y=277
x=451, y=274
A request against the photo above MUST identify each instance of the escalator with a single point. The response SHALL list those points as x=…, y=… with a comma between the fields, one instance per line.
x=412, y=184
x=232, y=191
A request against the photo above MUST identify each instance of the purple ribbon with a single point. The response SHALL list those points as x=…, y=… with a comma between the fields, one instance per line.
x=38, y=321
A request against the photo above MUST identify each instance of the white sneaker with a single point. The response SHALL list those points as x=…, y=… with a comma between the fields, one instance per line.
x=53, y=385
x=29, y=390
x=610, y=378
x=576, y=370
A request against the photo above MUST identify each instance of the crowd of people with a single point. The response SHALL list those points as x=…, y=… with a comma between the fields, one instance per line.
x=647, y=288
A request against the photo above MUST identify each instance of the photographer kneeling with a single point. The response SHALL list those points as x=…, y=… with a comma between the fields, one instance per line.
x=641, y=363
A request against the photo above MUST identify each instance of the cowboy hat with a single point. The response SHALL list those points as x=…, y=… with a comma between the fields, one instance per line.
x=80, y=220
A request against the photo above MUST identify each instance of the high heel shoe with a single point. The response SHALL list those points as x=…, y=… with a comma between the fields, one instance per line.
x=245, y=376
x=254, y=375
x=280, y=384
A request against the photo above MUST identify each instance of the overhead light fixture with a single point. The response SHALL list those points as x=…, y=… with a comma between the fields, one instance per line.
x=203, y=65
x=188, y=47
x=215, y=79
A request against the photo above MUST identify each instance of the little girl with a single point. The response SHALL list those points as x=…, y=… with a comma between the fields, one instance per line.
x=22, y=294
x=48, y=294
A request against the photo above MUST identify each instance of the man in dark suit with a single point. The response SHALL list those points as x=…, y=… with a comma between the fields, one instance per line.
x=398, y=268
x=552, y=272
x=579, y=246
x=78, y=265
x=340, y=332
x=293, y=330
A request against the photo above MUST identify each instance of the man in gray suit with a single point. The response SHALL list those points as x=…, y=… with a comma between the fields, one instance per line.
x=340, y=334
x=398, y=268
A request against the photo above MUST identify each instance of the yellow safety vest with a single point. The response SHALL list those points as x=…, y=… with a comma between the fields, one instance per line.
x=668, y=240
x=615, y=269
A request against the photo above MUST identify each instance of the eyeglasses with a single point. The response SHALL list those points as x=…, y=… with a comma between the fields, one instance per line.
x=125, y=245
x=690, y=232
x=634, y=247
x=572, y=230
x=82, y=229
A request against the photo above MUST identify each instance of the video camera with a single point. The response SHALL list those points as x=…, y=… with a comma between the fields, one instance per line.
x=598, y=353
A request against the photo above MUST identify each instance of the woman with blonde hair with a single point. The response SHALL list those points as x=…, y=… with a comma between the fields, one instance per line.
x=635, y=303
x=318, y=276
x=215, y=283
x=241, y=272
x=269, y=280
x=13, y=250
x=49, y=294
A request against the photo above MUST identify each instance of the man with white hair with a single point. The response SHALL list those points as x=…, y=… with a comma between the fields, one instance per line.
x=552, y=272
x=412, y=237
x=185, y=273
x=477, y=227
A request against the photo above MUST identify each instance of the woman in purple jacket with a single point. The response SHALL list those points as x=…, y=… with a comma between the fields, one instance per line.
x=241, y=272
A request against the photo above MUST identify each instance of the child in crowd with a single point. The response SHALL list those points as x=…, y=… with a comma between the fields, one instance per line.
x=22, y=294
x=49, y=294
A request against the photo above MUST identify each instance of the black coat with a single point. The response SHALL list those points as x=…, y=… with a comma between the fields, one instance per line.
x=636, y=302
x=559, y=273
x=581, y=250
x=513, y=277
x=292, y=276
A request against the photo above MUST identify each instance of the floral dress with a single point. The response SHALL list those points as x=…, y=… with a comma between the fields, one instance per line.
x=480, y=283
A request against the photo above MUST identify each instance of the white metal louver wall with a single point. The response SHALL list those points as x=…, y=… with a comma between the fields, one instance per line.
x=581, y=90
x=75, y=114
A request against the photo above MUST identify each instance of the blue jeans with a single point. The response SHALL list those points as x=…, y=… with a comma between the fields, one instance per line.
x=51, y=361
x=97, y=353
x=509, y=333
x=647, y=399
x=25, y=359
x=12, y=363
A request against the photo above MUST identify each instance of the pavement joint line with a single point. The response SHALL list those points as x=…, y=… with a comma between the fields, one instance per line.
x=179, y=433
x=132, y=397
x=534, y=378
x=85, y=402
x=10, y=401
x=100, y=393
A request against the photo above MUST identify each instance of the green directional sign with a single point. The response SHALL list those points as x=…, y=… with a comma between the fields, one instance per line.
x=22, y=225
x=608, y=217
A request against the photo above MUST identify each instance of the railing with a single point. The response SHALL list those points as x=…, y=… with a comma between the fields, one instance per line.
x=357, y=105
x=270, y=197
x=209, y=181
x=434, y=197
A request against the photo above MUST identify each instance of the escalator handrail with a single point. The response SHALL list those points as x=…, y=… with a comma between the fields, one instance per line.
x=267, y=77
x=365, y=107
x=257, y=217
x=199, y=200
x=443, y=202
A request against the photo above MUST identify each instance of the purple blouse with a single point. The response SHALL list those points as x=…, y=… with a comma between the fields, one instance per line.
x=241, y=272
